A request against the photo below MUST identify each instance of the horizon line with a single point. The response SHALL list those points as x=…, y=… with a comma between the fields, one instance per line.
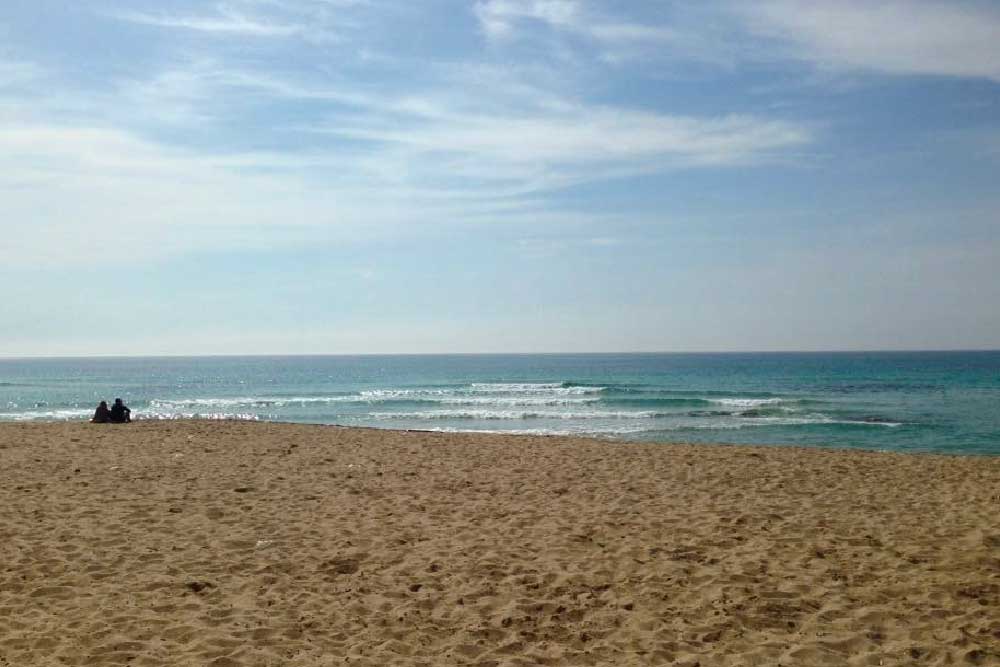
x=28, y=357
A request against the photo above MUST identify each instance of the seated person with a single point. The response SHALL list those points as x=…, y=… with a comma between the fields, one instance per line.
x=101, y=415
x=120, y=414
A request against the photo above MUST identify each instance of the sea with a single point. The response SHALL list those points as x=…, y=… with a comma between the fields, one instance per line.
x=945, y=402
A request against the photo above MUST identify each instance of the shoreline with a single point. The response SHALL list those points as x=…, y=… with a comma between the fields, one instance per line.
x=233, y=543
x=926, y=402
x=595, y=437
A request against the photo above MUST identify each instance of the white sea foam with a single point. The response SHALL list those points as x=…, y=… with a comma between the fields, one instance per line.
x=442, y=396
x=250, y=401
x=515, y=386
x=220, y=416
x=170, y=404
x=590, y=430
x=498, y=389
x=805, y=420
x=507, y=395
x=868, y=423
x=77, y=414
x=523, y=401
x=552, y=388
x=403, y=394
x=515, y=414
x=745, y=402
x=668, y=425
x=47, y=415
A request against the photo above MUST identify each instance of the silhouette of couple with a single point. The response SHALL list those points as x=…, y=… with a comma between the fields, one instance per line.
x=118, y=414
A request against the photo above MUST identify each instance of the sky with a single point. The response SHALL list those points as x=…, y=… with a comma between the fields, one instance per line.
x=434, y=176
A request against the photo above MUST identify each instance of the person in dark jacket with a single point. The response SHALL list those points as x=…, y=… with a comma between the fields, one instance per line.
x=120, y=414
x=101, y=415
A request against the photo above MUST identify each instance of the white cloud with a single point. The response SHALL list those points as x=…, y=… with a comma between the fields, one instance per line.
x=311, y=20
x=498, y=17
x=203, y=91
x=892, y=36
x=70, y=195
x=501, y=18
x=225, y=23
x=75, y=191
x=462, y=143
x=465, y=143
x=591, y=135
x=694, y=32
x=903, y=37
x=502, y=134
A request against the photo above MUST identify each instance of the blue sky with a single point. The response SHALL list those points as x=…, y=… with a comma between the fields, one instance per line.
x=367, y=176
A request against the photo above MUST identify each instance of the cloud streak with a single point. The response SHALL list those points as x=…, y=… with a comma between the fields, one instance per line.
x=499, y=17
x=616, y=39
x=228, y=23
x=594, y=135
x=498, y=137
x=458, y=143
x=893, y=37
x=911, y=37
x=469, y=142
x=315, y=21
x=78, y=187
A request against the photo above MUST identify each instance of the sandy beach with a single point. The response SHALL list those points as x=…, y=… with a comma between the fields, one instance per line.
x=252, y=544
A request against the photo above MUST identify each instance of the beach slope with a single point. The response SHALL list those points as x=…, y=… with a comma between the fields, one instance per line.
x=253, y=544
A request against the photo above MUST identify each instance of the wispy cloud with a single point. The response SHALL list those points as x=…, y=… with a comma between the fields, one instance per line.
x=177, y=144
x=499, y=17
x=456, y=141
x=698, y=33
x=591, y=135
x=922, y=37
x=227, y=22
x=496, y=130
x=78, y=186
x=310, y=20
x=894, y=36
x=202, y=91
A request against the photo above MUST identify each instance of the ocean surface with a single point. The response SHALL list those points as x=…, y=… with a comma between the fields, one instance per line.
x=927, y=401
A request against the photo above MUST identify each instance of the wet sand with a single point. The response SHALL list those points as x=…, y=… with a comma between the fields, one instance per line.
x=231, y=544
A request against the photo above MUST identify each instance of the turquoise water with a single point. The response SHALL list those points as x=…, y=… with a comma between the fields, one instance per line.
x=927, y=401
